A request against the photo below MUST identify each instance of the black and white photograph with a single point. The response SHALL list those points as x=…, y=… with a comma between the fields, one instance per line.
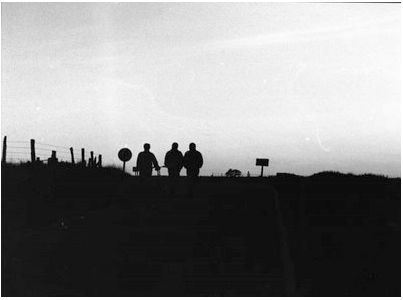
x=201, y=149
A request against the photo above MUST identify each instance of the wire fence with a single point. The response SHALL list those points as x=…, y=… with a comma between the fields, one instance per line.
x=18, y=151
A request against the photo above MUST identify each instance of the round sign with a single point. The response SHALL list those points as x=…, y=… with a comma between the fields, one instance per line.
x=125, y=154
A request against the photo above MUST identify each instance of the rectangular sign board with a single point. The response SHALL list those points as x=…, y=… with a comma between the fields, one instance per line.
x=262, y=162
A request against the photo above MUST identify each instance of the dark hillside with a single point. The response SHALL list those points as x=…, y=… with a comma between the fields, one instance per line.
x=344, y=231
x=74, y=231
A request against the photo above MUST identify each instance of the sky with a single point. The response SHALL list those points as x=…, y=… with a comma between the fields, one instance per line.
x=311, y=86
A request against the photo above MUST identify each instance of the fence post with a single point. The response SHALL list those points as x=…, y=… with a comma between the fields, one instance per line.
x=3, y=158
x=100, y=160
x=91, y=162
x=72, y=155
x=33, y=156
x=83, y=156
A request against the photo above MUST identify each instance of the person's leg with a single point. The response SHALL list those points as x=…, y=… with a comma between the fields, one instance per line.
x=176, y=180
x=171, y=175
x=188, y=182
x=192, y=175
x=192, y=172
x=145, y=173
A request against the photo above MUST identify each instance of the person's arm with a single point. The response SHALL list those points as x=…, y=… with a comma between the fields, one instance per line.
x=185, y=160
x=181, y=163
x=138, y=161
x=166, y=160
x=155, y=163
x=200, y=161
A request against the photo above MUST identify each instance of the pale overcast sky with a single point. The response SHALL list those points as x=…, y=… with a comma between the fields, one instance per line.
x=313, y=87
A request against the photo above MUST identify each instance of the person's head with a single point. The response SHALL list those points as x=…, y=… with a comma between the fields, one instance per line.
x=146, y=147
x=175, y=146
x=192, y=146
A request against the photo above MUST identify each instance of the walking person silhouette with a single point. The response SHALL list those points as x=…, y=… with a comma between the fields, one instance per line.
x=174, y=161
x=192, y=161
x=146, y=161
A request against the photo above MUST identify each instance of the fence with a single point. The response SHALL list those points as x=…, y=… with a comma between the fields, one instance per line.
x=37, y=152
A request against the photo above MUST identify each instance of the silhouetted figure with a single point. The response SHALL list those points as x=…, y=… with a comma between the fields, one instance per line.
x=146, y=161
x=192, y=161
x=174, y=161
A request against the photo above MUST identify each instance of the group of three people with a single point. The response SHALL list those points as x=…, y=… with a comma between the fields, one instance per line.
x=174, y=161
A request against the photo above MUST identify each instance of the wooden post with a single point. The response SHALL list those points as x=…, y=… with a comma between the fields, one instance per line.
x=3, y=158
x=91, y=162
x=72, y=155
x=83, y=156
x=100, y=160
x=33, y=156
x=261, y=172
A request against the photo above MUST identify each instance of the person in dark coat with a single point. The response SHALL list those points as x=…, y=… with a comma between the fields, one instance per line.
x=146, y=161
x=192, y=161
x=174, y=161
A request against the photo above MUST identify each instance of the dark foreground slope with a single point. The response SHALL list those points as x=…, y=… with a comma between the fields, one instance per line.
x=344, y=233
x=92, y=232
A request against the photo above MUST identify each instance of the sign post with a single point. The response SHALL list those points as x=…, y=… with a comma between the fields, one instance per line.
x=124, y=155
x=263, y=162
